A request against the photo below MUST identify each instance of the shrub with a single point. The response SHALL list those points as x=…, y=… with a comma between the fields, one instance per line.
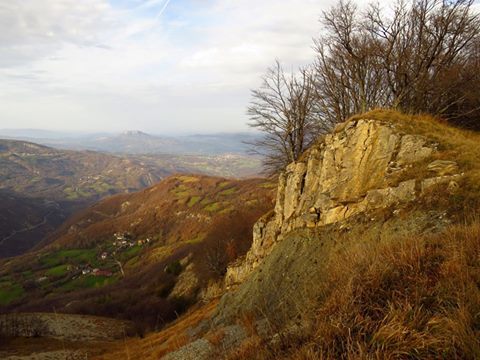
x=174, y=268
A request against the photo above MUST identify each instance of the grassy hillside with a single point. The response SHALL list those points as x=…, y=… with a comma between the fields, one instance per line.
x=40, y=187
x=401, y=282
x=43, y=172
x=161, y=246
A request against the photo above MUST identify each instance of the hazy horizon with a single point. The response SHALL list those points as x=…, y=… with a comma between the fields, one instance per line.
x=17, y=132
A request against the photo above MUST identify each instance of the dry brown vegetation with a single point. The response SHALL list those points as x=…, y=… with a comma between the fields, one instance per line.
x=161, y=211
x=155, y=345
x=401, y=297
x=416, y=297
x=206, y=221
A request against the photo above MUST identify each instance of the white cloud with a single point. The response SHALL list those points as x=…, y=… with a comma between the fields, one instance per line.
x=156, y=64
x=32, y=29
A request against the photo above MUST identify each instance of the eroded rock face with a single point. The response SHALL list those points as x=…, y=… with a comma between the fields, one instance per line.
x=350, y=172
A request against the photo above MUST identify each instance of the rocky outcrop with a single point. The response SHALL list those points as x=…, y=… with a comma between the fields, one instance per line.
x=363, y=166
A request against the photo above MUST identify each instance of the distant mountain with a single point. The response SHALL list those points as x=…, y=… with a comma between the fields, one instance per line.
x=138, y=142
x=137, y=133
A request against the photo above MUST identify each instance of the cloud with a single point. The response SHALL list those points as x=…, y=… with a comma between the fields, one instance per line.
x=159, y=64
x=33, y=29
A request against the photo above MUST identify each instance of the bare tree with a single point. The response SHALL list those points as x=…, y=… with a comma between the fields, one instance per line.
x=284, y=110
x=348, y=77
x=423, y=56
x=418, y=59
x=216, y=257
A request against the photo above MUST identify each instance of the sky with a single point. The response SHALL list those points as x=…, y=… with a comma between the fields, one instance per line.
x=159, y=66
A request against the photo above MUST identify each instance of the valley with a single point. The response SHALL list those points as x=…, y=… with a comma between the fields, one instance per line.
x=393, y=242
x=165, y=244
x=40, y=187
x=55, y=183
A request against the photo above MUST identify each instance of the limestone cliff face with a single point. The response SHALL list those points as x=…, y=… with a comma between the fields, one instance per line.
x=363, y=166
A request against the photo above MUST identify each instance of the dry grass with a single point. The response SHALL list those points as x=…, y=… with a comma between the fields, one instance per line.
x=417, y=297
x=214, y=290
x=409, y=298
x=249, y=349
x=248, y=322
x=156, y=345
x=403, y=298
x=215, y=337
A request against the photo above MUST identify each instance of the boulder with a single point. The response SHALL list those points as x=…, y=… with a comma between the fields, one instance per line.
x=413, y=149
x=427, y=184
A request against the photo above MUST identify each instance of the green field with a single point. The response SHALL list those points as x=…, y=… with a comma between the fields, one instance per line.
x=188, y=179
x=10, y=291
x=130, y=252
x=181, y=191
x=101, y=187
x=193, y=200
x=229, y=191
x=197, y=239
x=224, y=184
x=89, y=281
x=206, y=201
x=75, y=256
x=57, y=271
x=214, y=207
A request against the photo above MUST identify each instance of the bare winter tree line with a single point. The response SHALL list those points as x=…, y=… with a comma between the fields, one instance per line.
x=420, y=56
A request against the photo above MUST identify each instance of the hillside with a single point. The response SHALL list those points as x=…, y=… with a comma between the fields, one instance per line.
x=43, y=172
x=41, y=186
x=23, y=221
x=371, y=252
x=144, y=256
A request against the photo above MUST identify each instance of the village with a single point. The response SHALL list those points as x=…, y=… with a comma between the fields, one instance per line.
x=106, y=263
x=123, y=241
